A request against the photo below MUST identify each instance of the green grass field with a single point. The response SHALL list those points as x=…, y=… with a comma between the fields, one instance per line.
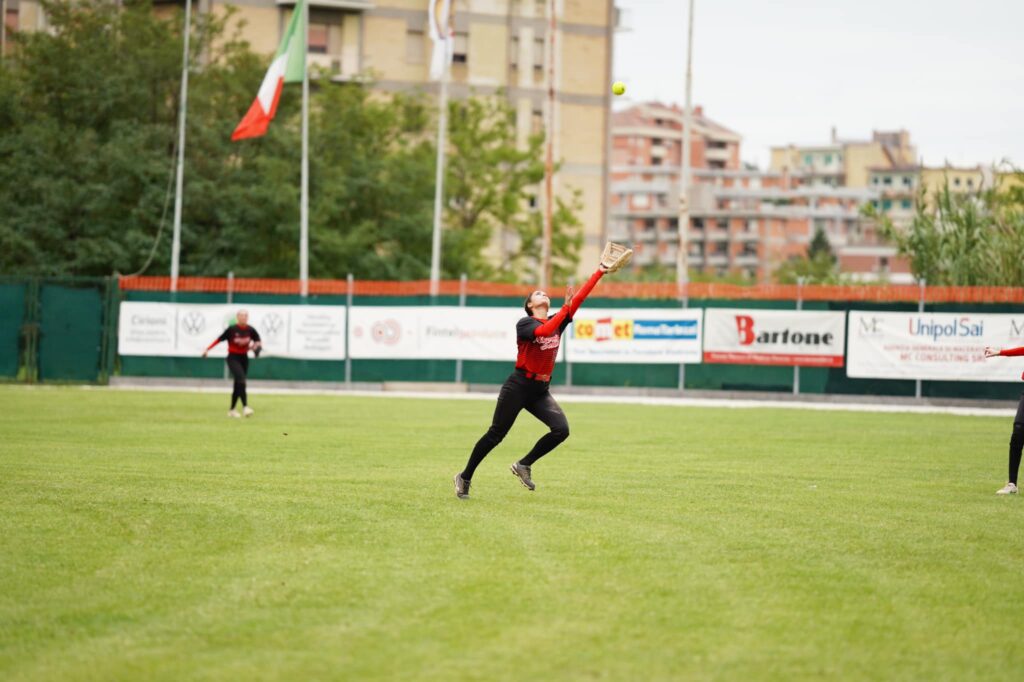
x=144, y=536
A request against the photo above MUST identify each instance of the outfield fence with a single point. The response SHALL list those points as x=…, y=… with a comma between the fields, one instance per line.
x=66, y=329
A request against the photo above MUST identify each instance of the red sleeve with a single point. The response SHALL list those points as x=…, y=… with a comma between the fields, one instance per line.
x=552, y=325
x=568, y=310
x=1010, y=352
x=584, y=291
x=222, y=337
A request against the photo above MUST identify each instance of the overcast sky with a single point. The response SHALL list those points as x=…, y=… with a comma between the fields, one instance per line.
x=780, y=71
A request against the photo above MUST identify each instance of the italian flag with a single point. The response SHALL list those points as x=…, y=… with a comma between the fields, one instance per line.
x=288, y=67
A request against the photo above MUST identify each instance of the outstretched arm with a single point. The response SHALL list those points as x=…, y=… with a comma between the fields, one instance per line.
x=1005, y=352
x=222, y=337
x=570, y=307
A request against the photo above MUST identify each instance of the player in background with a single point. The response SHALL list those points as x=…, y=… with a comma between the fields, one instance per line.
x=1017, y=436
x=241, y=339
x=538, y=337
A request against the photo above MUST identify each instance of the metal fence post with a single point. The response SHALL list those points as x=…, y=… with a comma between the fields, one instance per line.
x=462, y=304
x=565, y=342
x=231, y=295
x=920, y=308
x=350, y=283
x=684, y=301
x=799, y=306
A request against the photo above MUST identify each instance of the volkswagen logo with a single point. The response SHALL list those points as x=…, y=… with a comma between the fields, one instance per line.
x=388, y=332
x=193, y=323
x=272, y=324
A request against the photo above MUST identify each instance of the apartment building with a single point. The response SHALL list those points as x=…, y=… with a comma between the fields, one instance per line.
x=500, y=47
x=845, y=163
x=742, y=220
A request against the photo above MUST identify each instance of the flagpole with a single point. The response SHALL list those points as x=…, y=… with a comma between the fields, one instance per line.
x=179, y=180
x=304, y=205
x=442, y=128
x=549, y=171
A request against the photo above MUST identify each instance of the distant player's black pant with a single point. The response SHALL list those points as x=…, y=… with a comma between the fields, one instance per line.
x=1017, y=441
x=238, y=365
x=519, y=393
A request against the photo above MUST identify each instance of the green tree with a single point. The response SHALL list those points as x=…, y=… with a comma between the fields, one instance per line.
x=973, y=239
x=489, y=186
x=818, y=266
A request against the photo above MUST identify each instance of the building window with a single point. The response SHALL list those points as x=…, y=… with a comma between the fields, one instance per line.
x=828, y=159
x=956, y=182
x=808, y=159
x=460, y=48
x=513, y=52
x=538, y=54
x=318, y=38
x=906, y=204
x=970, y=182
x=697, y=223
x=536, y=122
x=656, y=161
x=907, y=181
x=874, y=180
x=414, y=47
x=886, y=204
x=887, y=180
x=649, y=224
x=883, y=264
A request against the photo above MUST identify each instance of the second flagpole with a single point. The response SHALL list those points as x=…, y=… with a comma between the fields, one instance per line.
x=304, y=200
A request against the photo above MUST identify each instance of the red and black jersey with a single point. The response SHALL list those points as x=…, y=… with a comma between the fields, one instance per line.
x=537, y=353
x=539, y=339
x=239, y=339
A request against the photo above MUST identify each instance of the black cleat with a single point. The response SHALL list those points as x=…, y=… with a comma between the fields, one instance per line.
x=522, y=472
x=461, y=487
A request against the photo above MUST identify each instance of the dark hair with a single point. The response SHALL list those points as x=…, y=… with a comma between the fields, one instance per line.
x=526, y=306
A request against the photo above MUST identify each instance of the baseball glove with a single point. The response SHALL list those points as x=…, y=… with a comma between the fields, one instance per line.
x=615, y=257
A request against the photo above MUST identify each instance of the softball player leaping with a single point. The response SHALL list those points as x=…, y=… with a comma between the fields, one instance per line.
x=528, y=387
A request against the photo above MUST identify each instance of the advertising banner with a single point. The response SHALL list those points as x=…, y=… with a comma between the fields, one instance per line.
x=434, y=333
x=310, y=332
x=936, y=346
x=795, y=338
x=636, y=335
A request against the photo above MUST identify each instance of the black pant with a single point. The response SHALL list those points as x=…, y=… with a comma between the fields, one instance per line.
x=519, y=393
x=1017, y=441
x=238, y=365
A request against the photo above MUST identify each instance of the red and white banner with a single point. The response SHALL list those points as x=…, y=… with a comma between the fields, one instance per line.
x=793, y=338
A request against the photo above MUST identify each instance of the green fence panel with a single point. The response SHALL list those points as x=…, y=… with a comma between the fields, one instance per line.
x=71, y=332
x=12, y=316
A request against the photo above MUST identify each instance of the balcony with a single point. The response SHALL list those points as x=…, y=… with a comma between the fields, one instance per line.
x=718, y=154
x=332, y=4
x=717, y=259
x=745, y=259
